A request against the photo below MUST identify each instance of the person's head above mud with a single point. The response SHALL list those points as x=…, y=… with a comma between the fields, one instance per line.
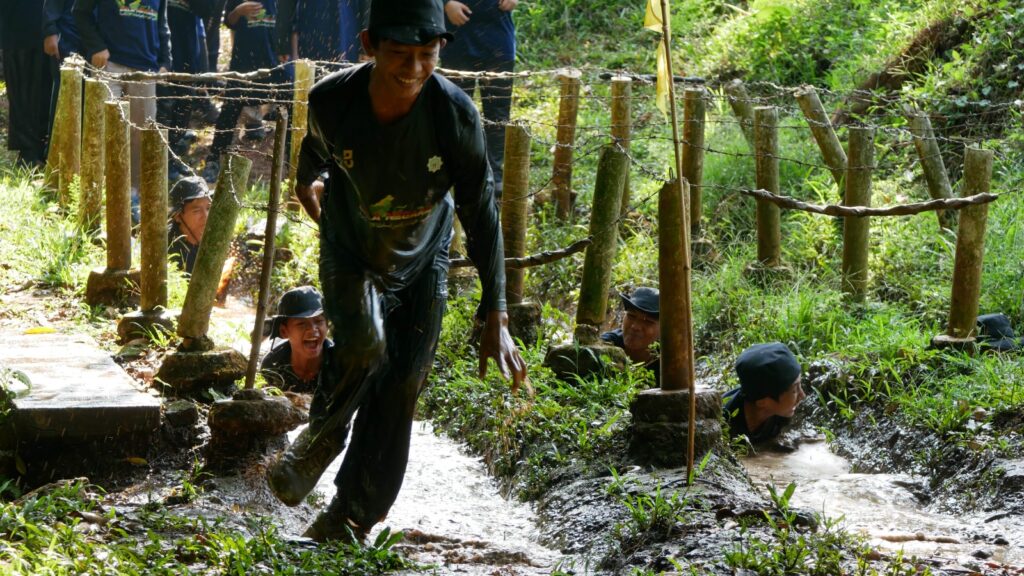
x=296, y=364
x=995, y=334
x=769, y=392
x=189, y=206
x=640, y=325
x=405, y=152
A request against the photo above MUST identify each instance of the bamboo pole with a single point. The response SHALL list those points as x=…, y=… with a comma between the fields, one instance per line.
x=305, y=75
x=561, y=176
x=824, y=134
x=69, y=154
x=194, y=322
x=856, y=231
x=90, y=205
x=931, y=163
x=769, y=232
x=622, y=125
x=153, y=235
x=693, y=152
x=515, y=206
x=269, y=240
x=604, y=230
x=739, y=101
x=970, y=246
x=117, y=173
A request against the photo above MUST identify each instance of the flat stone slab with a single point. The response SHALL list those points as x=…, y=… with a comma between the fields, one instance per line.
x=76, y=391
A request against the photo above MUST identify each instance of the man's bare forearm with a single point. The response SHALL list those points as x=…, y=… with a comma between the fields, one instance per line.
x=309, y=199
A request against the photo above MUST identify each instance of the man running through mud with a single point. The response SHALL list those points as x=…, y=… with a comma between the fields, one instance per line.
x=395, y=137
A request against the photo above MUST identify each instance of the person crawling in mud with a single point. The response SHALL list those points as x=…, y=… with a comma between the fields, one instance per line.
x=295, y=365
x=768, y=394
x=640, y=328
x=395, y=138
x=190, y=200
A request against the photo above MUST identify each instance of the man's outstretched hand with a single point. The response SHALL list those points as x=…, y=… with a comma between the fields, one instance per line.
x=497, y=343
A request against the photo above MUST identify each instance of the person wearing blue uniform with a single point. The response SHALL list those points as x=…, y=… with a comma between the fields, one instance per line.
x=768, y=394
x=486, y=42
x=319, y=29
x=121, y=36
x=395, y=137
x=60, y=40
x=640, y=328
x=28, y=75
x=254, y=26
x=189, y=207
x=188, y=55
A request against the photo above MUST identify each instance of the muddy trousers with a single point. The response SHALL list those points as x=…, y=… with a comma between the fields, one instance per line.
x=384, y=348
x=496, y=100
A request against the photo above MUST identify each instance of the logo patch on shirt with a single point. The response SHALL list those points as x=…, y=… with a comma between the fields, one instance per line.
x=346, y=159
x=434, y=164
x=135, y=9
x=384, y=214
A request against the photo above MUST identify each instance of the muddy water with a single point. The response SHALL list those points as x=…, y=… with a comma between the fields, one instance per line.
x=453, y=515
x=886, y=508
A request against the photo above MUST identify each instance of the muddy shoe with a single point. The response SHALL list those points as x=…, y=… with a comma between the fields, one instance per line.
x=332, y=525
x=295, y=473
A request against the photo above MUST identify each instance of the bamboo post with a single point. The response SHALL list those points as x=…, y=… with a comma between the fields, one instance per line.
x=305, y=74
x=194, y=321
x=693, y=152
x=269, y=240
x=604, y=232
x=931, y=163
x=622, y=124
x=153, y=204
x=90, y=203
x=515, y=206
x=117, y=174
x=69, y=153
x=766, y=151
x=674, y=279
x=824, y=135
x=739, y=101
x=970, y=246
x=856, y=230
x=561, y=176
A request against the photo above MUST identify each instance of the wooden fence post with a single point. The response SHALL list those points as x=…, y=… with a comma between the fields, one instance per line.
x=856, y=229
x=824, y=134
x=739, y=101
x=69, y=153
x=622, y=124
x=117, y=174
x=90, y=203
x=674, y=279
x=305, y=75
x=153, y=222
x=970, y=247
x=931, y=163
x=561, y=176
x=693, y=154
x=604, y=233
x=515, y=206
x=766, y=151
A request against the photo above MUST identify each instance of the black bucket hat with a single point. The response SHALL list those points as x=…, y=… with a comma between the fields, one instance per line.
x=414, y=22
x=995, y=333
x=186, y=190
x=643, y=299
x=766, y=370
x=301, y=302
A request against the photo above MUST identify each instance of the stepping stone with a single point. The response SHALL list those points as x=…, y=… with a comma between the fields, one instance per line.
x=77, y=400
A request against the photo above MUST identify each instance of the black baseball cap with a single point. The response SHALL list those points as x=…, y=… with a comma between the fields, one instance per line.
x=301, y=302
x=643, y=299
x=995, y=333
x=415, y=22
x=186, y=190
x=766, y=370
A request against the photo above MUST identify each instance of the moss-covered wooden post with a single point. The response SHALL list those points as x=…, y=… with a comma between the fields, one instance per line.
x=622, y=124
x=194, y=322
x=824, y=135
x=305, y=74
x=766, y=150
x=693, y=153
x=565, y=143
x=90, y=203
x=739, y=101
x=970, y=252
x=931, y=163
x=69, y=153
x=674, y=278
x=515, y=206
x=604, y=233
x=856, y=229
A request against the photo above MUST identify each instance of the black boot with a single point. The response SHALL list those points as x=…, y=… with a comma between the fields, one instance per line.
x=295, y=473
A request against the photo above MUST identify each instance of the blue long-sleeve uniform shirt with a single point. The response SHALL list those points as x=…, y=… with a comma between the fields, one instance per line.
x=134, y=31
x=59, y=20
x=487, y=40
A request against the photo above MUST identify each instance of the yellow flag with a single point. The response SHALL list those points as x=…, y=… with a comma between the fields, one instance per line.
x=653, y=21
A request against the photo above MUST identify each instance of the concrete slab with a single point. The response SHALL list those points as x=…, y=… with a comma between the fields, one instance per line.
x=76, y=392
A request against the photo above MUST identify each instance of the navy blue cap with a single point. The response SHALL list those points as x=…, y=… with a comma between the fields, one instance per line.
x=643, y=299
x=766, y=370
x=415, y=22
x=301, y=302
x=995, y=333
x=186, y=190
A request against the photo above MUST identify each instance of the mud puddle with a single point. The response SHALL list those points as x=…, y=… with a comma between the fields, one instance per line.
x=890, y=509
